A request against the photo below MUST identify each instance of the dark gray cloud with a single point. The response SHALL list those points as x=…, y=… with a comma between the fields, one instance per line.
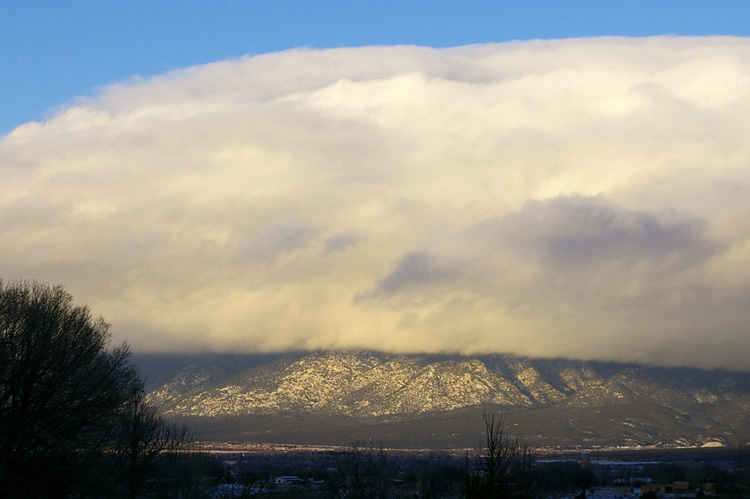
x=276, y=238
x=340, y=242
x=415, y=269
x=581, y=231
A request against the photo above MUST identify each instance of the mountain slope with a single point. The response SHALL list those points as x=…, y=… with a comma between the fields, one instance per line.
x=553, y=402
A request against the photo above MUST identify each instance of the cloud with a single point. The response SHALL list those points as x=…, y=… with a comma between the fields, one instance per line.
x=275, y=239
x=574, y=231
x=585, y=198
x=417, y=269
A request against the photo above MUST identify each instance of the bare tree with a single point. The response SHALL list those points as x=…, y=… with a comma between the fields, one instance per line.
x=503, y=467
x=363, y=473
x=59, y=390
x=71, y=410
x=145, y=443
x=435, y=479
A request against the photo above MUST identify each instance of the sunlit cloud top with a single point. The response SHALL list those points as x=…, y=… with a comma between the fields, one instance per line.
x=587, y=198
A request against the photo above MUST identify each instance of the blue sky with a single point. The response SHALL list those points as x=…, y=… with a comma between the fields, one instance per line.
x=54, y=51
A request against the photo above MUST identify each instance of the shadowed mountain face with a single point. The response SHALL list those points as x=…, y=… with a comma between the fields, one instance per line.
x=437, y=401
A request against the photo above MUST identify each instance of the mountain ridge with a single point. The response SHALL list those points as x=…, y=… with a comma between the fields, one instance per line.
x=553, y=401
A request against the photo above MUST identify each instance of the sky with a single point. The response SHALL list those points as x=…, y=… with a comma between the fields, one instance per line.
x=537, y=178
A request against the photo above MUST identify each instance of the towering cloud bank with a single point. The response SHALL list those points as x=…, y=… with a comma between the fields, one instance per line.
x=585, y=198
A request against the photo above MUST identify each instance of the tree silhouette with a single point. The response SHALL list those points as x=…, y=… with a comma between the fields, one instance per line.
x=504, y=466
x=68, y=405
x=145, y=444
x=363, y=473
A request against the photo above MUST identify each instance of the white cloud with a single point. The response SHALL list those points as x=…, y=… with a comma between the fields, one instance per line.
x=586, y=198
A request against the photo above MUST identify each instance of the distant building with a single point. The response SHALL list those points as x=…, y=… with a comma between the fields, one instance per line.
x=288, y=480
x=633, y=480
x=666, y=488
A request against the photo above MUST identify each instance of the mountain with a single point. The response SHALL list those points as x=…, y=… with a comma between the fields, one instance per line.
x=438, y=401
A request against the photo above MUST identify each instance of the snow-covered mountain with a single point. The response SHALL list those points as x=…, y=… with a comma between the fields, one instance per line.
x=557, y=402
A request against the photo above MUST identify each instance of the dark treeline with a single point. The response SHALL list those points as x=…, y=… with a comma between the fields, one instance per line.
x=367, y=471
x=75, y=423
